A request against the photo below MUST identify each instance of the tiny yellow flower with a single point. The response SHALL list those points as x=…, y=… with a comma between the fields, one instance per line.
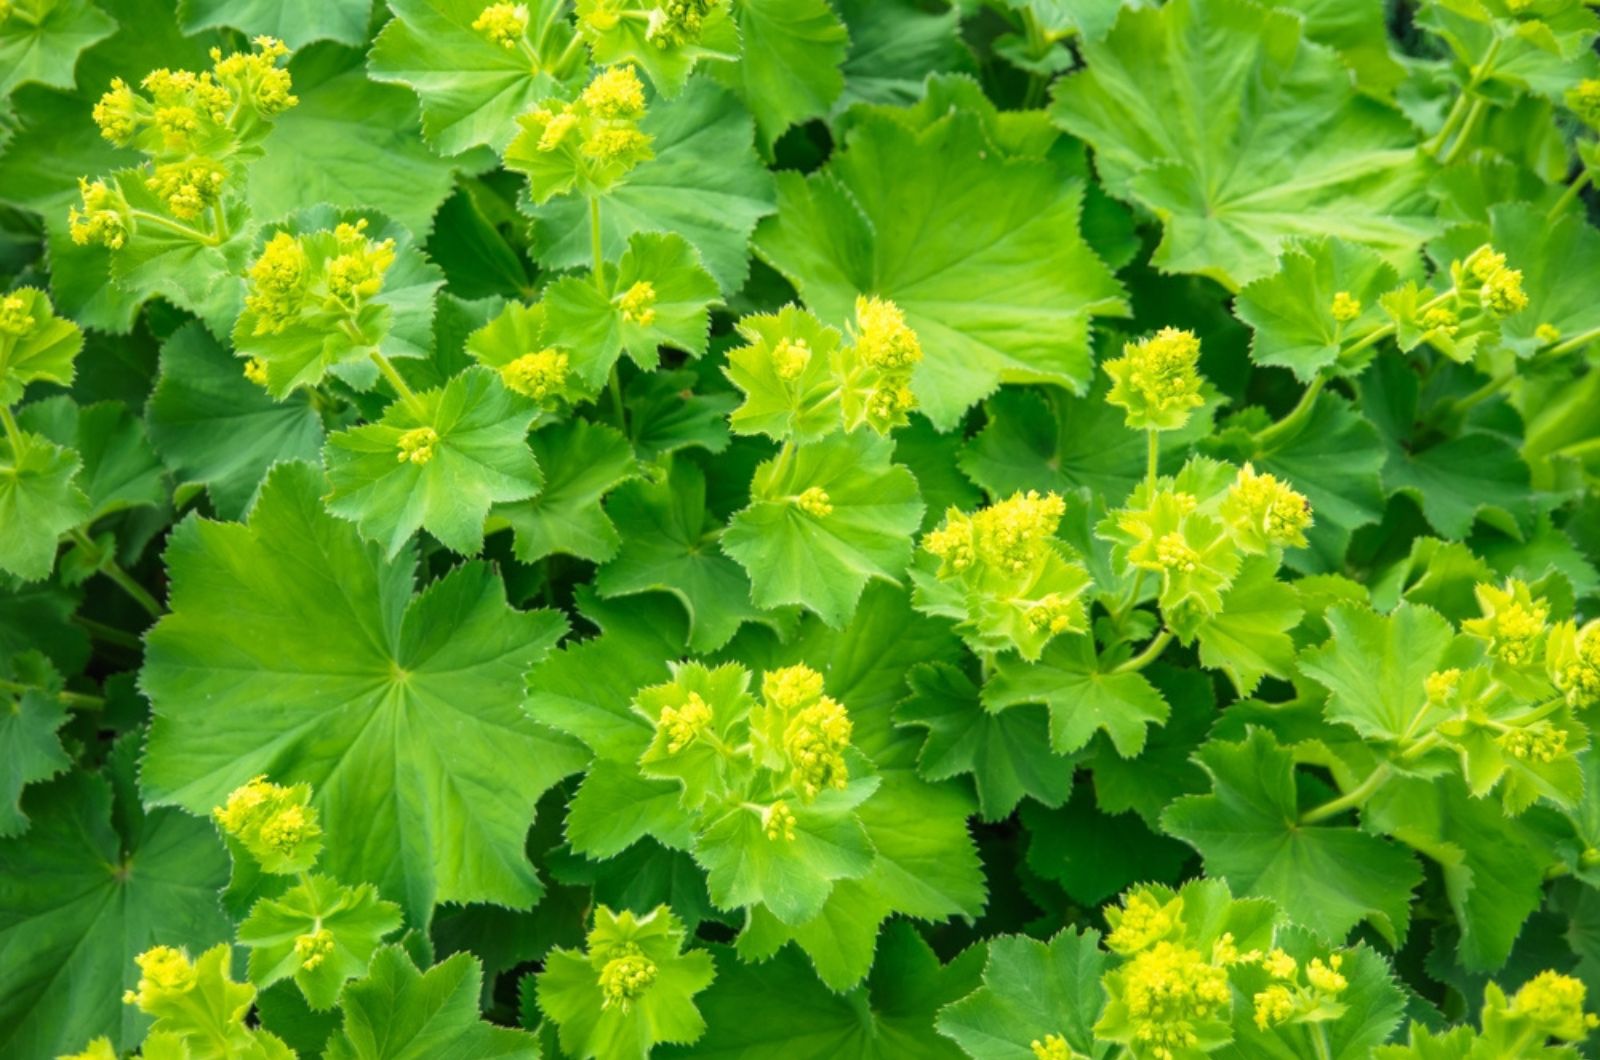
x=1584, y=100
x=1279, y=965
x=615, y=94
x=1547, y=334
x=1142, y=921
x=790, y=688
x=416, y=446
x=504, y=24
x=277, y=825
x=1273, y=1006
x=624, y=979
x=15, y=320
x=164, y=973
x=1345, y=307
x=683, y=724
x=1553, y=1003
x=790, y=358
x=1324, y=975
x=815, y=741
x=1157, y=381
x=1573, y=661
x=103, y=218
x=1266, y=512
x=883, y=338
x=556, y=129
x=1053, y=1047
x=313, y=947
x=1502, y=292
x=1541, y=742
x=541, y=375
x=188, y=188
x=1056, y=613
x=815, y=502
x=1441, y=686
x=1168, y=989
x=1441, y=318
x=778, y=822
x=117, y=113
x=638, y=303
x=1513, y=622
x=256, y=76
x=618, y=143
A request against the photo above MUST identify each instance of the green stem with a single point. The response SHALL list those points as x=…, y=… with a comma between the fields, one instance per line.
x=108, y=566
x=568, y=52
x=1478, y=396
x=1152, y=651
x=1128, y=602
x=70, y=699
x=14, y=436
x=1319, y=1041
x=1472, y=110
x=619, y=411
x=219, y=220
x=1569, y=196
x=1574, y=343
x=396, y=380
x=1458, y=110
x=108, y=634
x=1152, y=459
x=596, y=245
x=1478, y=106
x=1297, y=416
x=1352, y=799
x=1416, y=750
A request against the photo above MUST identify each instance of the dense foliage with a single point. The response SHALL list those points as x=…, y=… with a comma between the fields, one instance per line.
x=1010, y=529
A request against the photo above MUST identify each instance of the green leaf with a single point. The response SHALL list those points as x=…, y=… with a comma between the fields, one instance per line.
x=894, y=46
x=472, y=88
x=1081, y=697
x=789, y=69
x=1328, y=878
x=336, y=671
x=120, y=470
x=615, y=807
x=582, y=462
x=214, y=427
x=1549, y=252
x=41, y=41
x=926, y=866
x=669, y=544
x=479, y=458
x=790, y=878
x=1291, y=310
x=1249, y=638
x=587, y=689
x=39, y=501
x=824, y=561
x=981, y=252
x=92, y=885
x=1278, y=143
x=29, y=745
x=44, y=351
x=356, y=921
x=1096, y=855
x=1456, y=481
x=705, y=183
x=802, y=408
x=1493, y=866
x=399, y=1013
x=891, y=1018
x=1007, y=753
x=579, y=317
x=1031, y=990
x=1375, y=668
x=295, y=22
x=668, y=60
x=323, y=150
x=593, y=1024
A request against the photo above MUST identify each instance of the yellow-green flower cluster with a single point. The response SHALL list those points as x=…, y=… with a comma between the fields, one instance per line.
x=1291, y=998
x=1512, y=623
x=815, y=502
x=15, y=320
x=1052, y=1047
x=1573, y=659
x=599, y=131
x=1142, y=921
x=102, y=217
x=1499, y=288
x=778, y=821
x=675, y=23
x=314, y=275
x=1345, y=308
x=504, y=24
x=638, y=303
x=1553, y=1004
x=164, y=973
x=1264, y=512
x=815, y=741
x=1583, y=99
x=1157, y=381
x=541, y=375
x=313, y=947
x=683, y=724
x=276, y=824
x=877, y=368
x=1009, y=536
x=188, y=188
x=624, y=978
x=1168, y=990
x=416, y=446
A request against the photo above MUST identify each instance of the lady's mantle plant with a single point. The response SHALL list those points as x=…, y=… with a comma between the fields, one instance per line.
x=799, y=528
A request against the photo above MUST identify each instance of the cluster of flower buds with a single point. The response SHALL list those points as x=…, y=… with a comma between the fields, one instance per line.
x=667, y=23
x=191, y=127
x=1157, y=381
x=277, y=825
x=587, y=145
x=876, y=367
